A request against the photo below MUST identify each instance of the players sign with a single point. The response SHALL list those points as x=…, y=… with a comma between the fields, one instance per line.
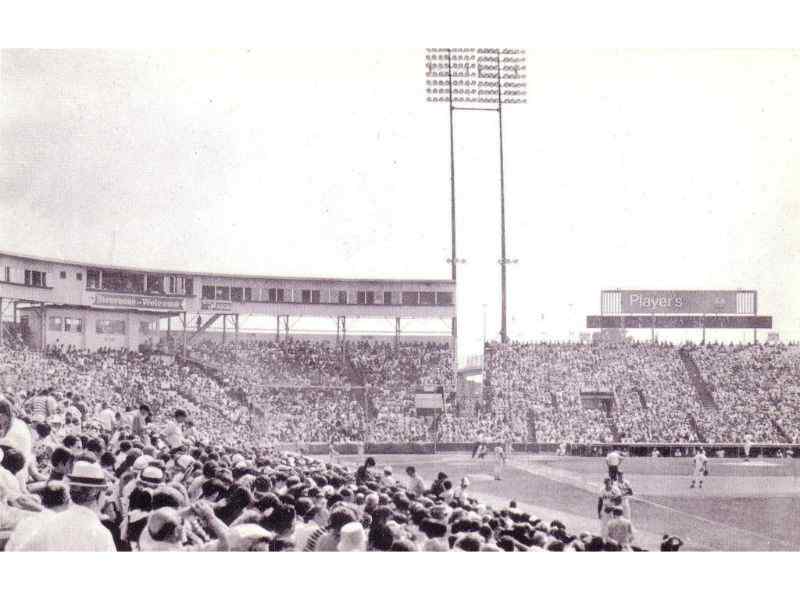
x=694, y=302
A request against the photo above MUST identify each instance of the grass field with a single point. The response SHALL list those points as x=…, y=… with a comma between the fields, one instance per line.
x=742, y=506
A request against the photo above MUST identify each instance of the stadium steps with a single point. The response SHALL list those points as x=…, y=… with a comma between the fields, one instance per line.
x=554, y=402
x=203, y=327
x=642, y=398
x=611, y=421
x=533, y=438
x=700, y=385
x=696, y=428
x=781, y=431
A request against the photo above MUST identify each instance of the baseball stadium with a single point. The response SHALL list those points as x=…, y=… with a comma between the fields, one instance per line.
x=197, y=408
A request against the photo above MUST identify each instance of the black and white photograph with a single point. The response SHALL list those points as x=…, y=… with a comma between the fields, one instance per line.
x=421, y=299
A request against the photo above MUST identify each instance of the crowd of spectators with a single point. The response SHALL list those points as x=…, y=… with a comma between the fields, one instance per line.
x=297, y=391
x=754, y=387
x=119, y=450
x=320, y=391
x=82, y=469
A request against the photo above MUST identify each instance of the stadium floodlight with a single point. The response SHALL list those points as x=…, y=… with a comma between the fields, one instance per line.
x=477, y=79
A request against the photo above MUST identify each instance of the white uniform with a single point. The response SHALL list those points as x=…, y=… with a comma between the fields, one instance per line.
x=626, y=492
x=748, y=444
x=500, y=461
x=700, y=462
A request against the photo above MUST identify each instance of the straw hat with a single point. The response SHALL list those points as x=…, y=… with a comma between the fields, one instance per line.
x=352, y=538
x=86, y=474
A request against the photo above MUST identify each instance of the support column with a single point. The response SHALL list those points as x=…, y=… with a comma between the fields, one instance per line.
x=1, y=320
x=344, y=329
x=184, y=333
x=755, y=312
x=236, y=327
x=286, y=326
x=43, y=325
x=277, y=328
x=224, y=327
x=338, y=331
x=396, y=332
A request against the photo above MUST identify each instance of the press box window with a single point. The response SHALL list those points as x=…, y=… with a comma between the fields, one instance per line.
x=410, y=298
x=315, y=296
x=223, y=293
x=63, y=274
x=93, y=279
x=236, y=294
x=305, y=296
x=79, y=276
x=427, y=298
x=444, y=298
x=342, y=297
x=73, y=325
x=387, y=297
x=365, y=297
x=35, y=278
x=208, y=292
x=248, y=294
x=55, y=324
x=147, y=327
x=110, y=327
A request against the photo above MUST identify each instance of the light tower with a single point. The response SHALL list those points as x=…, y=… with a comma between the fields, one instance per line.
x=477, y=79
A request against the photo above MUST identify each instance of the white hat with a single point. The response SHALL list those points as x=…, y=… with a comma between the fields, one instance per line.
x=352, y=538
x=151, y=476
x=242, y=537
x=142, y=462
x=87, y=474
x=184, y=461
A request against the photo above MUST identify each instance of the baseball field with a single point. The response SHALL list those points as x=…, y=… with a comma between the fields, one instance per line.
x=743, y=506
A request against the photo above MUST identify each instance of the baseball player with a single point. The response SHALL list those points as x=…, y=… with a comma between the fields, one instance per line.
x=748, y=444
x=700, y=468
x=613, y=461
x=625, y=491
x=499, y=462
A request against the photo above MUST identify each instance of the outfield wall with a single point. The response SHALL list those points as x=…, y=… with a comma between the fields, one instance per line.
x=641, y=450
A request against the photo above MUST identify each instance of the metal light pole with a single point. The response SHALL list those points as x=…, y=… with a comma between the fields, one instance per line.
x=468, y=79
x=484, y=325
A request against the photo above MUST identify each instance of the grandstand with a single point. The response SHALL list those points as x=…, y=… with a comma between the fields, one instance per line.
x=72, y=340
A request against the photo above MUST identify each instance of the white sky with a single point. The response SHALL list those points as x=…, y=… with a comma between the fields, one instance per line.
x=641, y=169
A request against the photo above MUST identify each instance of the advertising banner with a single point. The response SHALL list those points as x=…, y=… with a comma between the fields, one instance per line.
x=142, y=302
x=679, y=302
x=217, y=306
